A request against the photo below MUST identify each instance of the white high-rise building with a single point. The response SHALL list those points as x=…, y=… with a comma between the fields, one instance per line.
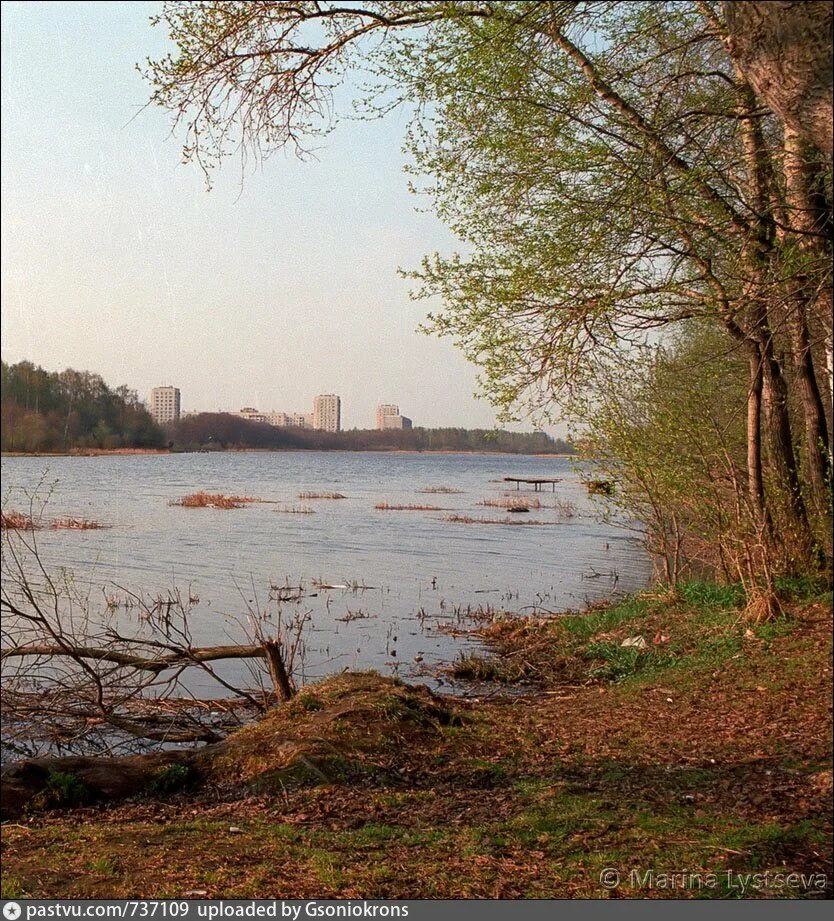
x=164, y=405
x=327, y=412
x=383, y=411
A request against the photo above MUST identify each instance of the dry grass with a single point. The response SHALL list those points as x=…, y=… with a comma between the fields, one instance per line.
x=512, y=503
x=213, y=500
x=75, y=524
x=388, y=507
x=466, y=519
x=600, y=487
x=564, y=507
x=296, y=510
x=441, y=490
x=17, y=521
x=321, y=495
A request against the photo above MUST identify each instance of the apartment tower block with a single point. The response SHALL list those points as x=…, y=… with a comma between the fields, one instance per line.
x=164, y=405
x=327, y=413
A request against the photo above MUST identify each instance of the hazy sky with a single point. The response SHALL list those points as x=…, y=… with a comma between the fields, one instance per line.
x=263, y=292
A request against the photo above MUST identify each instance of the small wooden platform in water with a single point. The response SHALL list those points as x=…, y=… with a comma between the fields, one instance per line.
x=536, y=482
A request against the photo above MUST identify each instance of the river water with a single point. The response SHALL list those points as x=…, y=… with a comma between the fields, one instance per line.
x=409, y=574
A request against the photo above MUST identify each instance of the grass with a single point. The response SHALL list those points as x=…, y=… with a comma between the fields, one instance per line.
x=171, y=778
x=706, y=751
x=467, y=519
x=470, y=666
x=563, y=507
x=63, y=789
x=588, y=647
x=389, y=507
x=510, y=502
x=12, y=888
x=17, y=521
x=74, y=524
x=213, y=500
x=104, y=865
x=321, y=495
x=615, y=662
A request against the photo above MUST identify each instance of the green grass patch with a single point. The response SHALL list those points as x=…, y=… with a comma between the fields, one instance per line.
x=62, y=790
x=621, y=662
x=12, y=888
x=170, y=779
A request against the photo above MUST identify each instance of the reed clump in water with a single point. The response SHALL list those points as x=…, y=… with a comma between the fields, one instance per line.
x=17, y=521
x=296, y=510
x=213, y=500
x=321, y=495
x=441, y=490
x=511, y=503
x=466, y=519
x=389, y=507
x=75, y=524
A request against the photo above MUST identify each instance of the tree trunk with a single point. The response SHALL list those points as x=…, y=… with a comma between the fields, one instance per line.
x=755, y=478
x=780, y=443
x=278, y=669
x=784, y=50
x=809, y=216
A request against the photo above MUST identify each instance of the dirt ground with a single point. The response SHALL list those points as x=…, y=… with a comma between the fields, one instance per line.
x=694, y=761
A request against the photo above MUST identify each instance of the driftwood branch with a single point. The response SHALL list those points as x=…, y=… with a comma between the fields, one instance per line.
x=72, y=676
x=129, y=660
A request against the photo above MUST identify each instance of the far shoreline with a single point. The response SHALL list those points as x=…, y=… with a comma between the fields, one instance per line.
x=132, y=452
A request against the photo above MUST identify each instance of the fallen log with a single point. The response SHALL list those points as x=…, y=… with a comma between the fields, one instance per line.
x=131, y=660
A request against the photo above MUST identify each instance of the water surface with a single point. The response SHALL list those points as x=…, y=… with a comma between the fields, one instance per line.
x=418, y=572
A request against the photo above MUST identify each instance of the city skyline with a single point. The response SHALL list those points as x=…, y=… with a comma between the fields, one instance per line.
x=325, y=415
x=108, y=241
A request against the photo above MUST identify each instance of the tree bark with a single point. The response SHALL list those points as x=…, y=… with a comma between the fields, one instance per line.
x=278, y=669
x=130, y=660
x=780, y=439
x=784, y=50
x=809, y=216
x=755, y=477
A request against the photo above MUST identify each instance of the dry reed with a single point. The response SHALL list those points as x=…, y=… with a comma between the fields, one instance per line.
x=17, y=521
x=388, y=507
x=213, y=500
x=466, y=519
x=510, y=502
x=74, y=524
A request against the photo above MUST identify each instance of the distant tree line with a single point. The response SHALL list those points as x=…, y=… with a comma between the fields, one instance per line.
x=218, y=431
x=59, y=410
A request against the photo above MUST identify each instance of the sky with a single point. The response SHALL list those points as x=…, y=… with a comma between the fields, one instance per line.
x=272, y=287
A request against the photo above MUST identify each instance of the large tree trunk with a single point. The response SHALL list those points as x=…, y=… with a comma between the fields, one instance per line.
x=784, y=50
x=809, y=301
x=781, y=448
x=755, y=477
